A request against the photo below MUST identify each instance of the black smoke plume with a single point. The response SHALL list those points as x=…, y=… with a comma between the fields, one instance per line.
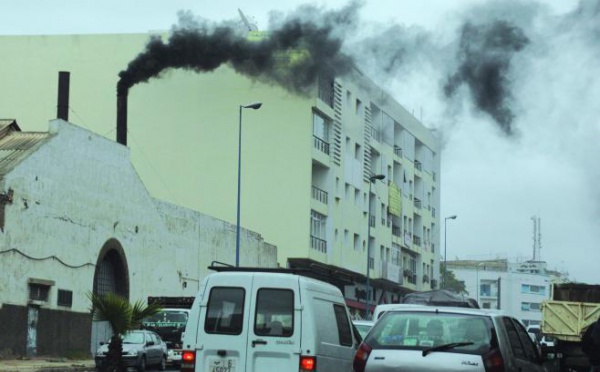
x=293, y=55
x=484, y=57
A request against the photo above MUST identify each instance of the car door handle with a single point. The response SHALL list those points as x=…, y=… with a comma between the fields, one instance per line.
x=258, y=342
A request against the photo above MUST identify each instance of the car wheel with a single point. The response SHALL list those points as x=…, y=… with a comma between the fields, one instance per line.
x=163, y=363
x=142, y=366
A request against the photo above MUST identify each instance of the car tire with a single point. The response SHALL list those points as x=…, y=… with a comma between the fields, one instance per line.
x=142, y=366
x=163, y=363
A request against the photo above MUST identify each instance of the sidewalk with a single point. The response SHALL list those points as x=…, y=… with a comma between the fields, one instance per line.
x=49, y=364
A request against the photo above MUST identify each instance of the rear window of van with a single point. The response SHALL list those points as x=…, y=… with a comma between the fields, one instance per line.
x=274, y=312
x=225, y=313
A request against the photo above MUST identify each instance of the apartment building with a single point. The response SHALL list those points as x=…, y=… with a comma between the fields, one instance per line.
x=327, y=177
x=519, y=288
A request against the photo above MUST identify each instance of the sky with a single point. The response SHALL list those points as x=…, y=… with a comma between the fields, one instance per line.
x=511, y=88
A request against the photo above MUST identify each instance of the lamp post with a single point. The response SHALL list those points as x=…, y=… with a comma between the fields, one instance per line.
x=477, y=286
x=453, y=217
x=371, y=180
x=254, y=106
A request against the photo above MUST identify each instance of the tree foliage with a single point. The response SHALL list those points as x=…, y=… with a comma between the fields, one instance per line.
x=122, y=317
x=449, y=282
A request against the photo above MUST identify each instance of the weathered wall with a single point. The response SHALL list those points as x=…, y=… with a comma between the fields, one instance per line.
x=70, y=197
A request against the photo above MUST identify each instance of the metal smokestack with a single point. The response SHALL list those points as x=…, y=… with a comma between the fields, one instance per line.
x=62, y=111
x=122, y=116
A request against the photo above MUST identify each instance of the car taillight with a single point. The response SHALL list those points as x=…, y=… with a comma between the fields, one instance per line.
x=308, y=363
x=493, y=361
x=188, y=361
x=361, y=356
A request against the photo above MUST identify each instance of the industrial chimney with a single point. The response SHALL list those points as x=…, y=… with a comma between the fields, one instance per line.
x=122, y=117
x=62, y=108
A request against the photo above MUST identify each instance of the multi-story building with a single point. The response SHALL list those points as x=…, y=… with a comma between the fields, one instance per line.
x=517, y=288
x=327, y=177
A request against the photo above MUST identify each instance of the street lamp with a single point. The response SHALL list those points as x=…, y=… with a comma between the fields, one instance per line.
x=371, y=180
x=445, y=254
x=477, y=286
x=254, y=106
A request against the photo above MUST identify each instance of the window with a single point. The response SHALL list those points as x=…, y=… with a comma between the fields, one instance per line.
x=513, y=339
x=65, y=298
x=530, y=306
x=359, y=107
x=39, y=292
x=343, y=325
x=274, y=313
x=528, y=347
x=356, y=242
x=533, y=289
x=225, y=311
x=317, y=232
x=485, y=290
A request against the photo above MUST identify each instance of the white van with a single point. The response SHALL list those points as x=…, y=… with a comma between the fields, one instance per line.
x=267, y=320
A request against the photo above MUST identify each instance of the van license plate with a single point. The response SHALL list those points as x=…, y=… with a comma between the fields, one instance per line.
x=221, y=365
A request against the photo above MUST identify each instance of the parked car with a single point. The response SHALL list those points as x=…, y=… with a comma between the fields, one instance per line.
x=257, y=320
x=140, y=349
x=363, y=326
x=537, y=336
x=430, y=338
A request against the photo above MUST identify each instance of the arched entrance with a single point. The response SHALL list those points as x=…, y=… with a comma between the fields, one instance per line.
x=112, y=273
x=111, y=276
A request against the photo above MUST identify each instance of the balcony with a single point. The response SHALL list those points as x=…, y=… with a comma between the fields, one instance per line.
x=396, y=231
x=418, y=165
x=417, y=240
x=391, y=272
x=319, y=195
x=321, y=145
x=318, y=244
x=398, y=151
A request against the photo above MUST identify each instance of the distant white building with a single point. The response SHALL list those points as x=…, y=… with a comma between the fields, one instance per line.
x=516, y=288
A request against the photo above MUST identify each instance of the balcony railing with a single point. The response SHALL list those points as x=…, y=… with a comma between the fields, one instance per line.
x=318, y=244
x=398, y=151
x=372, y=220
x=319, y=195
x=321, y=145
x=396, y=231
x=417, y=240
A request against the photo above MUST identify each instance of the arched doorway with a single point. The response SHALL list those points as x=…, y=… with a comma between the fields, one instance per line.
x=111, y=276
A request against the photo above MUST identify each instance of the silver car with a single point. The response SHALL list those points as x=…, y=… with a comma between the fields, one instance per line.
x=428, y=339
x=140, y=349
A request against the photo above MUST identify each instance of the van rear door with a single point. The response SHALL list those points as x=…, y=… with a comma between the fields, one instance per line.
x=275, y=324
x=223, y=322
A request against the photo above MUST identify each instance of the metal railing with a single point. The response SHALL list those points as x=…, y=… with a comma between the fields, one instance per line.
x=321, y=145
x=318, y=244
x=319, y=195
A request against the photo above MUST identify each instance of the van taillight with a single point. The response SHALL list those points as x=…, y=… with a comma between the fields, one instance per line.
x=493, y=361
x=188, y=361
x=361, y=356
x=308, y=363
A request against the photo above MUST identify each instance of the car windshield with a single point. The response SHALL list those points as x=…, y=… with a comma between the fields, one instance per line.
x=133, y=338
x=424, y=330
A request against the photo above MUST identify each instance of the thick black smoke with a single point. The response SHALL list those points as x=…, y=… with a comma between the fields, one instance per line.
x=293, y=55
x=484, y=57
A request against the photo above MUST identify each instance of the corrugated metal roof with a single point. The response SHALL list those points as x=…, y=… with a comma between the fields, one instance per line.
x=16, y=145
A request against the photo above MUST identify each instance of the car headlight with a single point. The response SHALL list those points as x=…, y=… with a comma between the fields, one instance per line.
x=132, y=352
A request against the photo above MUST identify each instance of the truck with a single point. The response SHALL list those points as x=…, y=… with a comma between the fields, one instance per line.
x=170, y=323
x=573, y=307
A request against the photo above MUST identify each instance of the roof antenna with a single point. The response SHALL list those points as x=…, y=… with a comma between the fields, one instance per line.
x=250, y=26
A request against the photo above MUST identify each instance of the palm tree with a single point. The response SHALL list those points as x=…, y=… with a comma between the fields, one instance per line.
x=122, y=318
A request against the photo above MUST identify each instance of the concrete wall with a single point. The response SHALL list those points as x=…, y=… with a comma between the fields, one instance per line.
x=72, y=195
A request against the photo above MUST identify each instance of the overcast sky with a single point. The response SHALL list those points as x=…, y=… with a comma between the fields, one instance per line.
x=511, y=87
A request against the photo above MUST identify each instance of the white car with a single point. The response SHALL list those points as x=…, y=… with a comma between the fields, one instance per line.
x=431, y=338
